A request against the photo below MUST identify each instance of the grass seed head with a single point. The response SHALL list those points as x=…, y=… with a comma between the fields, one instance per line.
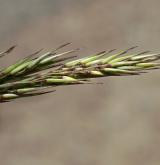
x=29, y=76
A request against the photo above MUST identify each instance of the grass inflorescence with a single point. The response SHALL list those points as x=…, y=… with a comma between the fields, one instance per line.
x=36, y=74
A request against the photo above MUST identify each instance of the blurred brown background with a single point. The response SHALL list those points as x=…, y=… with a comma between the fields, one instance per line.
x=116, y=123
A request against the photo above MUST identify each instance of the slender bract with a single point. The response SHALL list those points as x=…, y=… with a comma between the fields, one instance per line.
x=38, y=74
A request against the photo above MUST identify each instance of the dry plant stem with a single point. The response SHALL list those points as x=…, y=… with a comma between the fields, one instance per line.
x=36, y=74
